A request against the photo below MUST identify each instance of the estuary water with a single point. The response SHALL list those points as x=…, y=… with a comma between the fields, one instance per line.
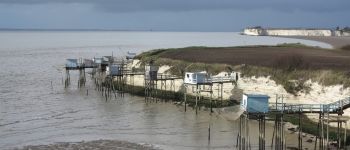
x=36, y=109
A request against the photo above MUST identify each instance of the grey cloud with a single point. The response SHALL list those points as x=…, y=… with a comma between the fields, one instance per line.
x=323, y=6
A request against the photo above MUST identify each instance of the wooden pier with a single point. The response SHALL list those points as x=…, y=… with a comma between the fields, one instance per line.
x=328, y=113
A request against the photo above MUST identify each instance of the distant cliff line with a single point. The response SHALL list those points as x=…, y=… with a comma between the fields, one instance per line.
x=259, y=31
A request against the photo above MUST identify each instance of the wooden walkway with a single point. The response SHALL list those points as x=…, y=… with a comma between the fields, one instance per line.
x=334, y=107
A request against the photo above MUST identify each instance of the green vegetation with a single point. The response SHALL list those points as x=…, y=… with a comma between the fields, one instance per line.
x=295, y=81
x=292, y=80
x=290, y=71
x=294, y=45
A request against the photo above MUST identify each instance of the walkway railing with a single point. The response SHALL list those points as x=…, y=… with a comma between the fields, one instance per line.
x=311, y=108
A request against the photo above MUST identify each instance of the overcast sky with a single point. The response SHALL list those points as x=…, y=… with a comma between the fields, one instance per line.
x=172, y=15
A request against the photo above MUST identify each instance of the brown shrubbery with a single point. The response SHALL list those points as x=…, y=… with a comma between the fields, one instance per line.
x=290, y=62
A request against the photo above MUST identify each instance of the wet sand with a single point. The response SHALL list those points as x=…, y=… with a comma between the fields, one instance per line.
x=98, y=144
x=336, y=41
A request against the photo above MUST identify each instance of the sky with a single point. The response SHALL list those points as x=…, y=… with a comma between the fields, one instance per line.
x=172, y=15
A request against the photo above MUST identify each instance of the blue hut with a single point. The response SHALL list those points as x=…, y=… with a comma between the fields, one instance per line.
x=114, y=70
x=255, y=103
x=72, y=63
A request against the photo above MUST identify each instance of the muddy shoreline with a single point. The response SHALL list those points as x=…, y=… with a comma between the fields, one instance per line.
x=98, y=144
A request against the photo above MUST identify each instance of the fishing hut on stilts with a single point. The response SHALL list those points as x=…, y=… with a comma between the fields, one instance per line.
x=202, y=82
x=80, y=65
x=254, y=106
x=165, y=91
x=328, y=113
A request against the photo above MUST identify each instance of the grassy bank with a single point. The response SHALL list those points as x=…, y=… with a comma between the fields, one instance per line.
x=291, y=70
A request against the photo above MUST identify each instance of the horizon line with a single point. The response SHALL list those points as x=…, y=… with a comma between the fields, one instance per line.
x=92, y=29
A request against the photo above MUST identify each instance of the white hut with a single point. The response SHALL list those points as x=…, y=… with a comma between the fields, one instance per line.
x=196, y=78
x=151, y=72
x=97, y=60
x=235, y=75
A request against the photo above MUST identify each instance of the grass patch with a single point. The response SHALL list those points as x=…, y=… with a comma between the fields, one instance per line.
x=295, y=45
x=291, y=78
x=291, y=71
x=295, y=81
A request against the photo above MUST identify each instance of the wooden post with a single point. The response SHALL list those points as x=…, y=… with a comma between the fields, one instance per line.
x=197, y=99
x=209, y=132
x=318, y=130
x=300, y=143
x=327, y=141
x=346, y=128
x=274, y=132
x=211, y=98
x=185, y=91
x=222, y=90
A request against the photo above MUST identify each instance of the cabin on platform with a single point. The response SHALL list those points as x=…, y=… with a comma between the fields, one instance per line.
x=72, y=63
x=97, y=61
x=197, y=78
x=130, y=56
x=106, y=60
x=255, y=103
x=151, y=72
x=114, y=70
x=88, y=63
